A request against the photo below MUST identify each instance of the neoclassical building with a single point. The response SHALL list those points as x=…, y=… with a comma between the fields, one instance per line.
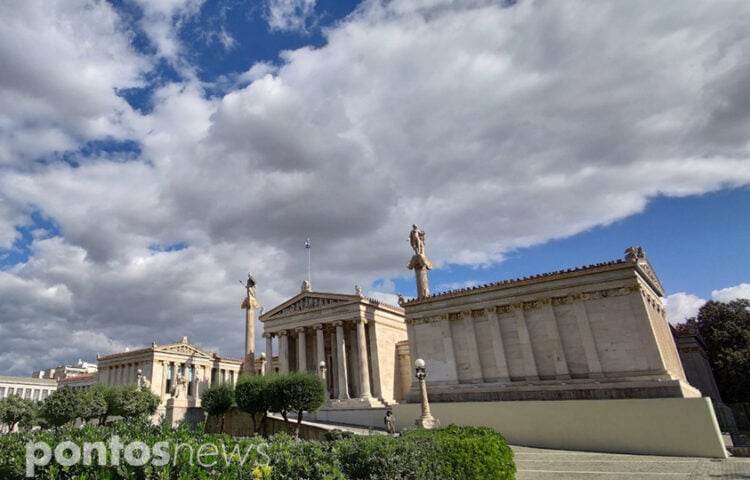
x=164, y=368
x=353, y=336
x=595, y=332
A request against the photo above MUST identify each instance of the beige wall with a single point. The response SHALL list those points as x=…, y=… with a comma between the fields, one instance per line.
x=661, y=426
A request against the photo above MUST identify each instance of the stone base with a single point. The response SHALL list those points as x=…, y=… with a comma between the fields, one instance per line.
x=556, y=390
x=428, y=423
x=353, y=403
x=419, y=262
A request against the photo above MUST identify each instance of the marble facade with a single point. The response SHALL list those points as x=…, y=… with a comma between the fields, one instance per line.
x=353, y=335
x=596, y=332
x=161, y=366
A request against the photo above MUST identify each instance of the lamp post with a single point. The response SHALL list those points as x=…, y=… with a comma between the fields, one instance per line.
x=426, y=421
x=263, y=361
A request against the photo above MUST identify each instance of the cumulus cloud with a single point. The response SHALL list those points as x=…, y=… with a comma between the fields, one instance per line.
x=493, y=128
x=681, y=306
x=290, y=15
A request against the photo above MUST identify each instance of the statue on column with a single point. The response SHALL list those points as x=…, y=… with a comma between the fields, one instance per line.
x=419, y=262
x=250, y=301
x=416, y=238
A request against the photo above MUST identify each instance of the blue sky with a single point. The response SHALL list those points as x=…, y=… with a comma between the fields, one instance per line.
x=152, y=152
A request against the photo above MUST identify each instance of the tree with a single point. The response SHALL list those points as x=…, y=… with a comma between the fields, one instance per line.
x=725, y=329
x=251, y=395
x=297, y=391
x=16, y=410
x=62, y=406
x=217, y=400
x=131, y=403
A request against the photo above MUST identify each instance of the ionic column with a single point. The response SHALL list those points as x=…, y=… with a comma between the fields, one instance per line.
x=320, y=353
x=301, y=350
x=269, y=352
x=283, y=352
x=364, y=370
x=333, y=368
x=341, y=355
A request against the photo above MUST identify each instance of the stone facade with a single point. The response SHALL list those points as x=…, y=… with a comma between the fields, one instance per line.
x=596, y=332
x=35, y=389
x=355, y=336
x=163, y=368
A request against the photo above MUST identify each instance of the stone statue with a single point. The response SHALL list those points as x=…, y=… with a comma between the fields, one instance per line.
x=416, y=238
x=306, y=287
x=633, y=254
x=358, y=290
x=401, y=299
x=180, y=386
x=390, y=422
x=250, y=284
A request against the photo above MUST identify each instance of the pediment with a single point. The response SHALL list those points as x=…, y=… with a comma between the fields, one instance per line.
x=646, y=268
x=308, y=301
x=183, y=349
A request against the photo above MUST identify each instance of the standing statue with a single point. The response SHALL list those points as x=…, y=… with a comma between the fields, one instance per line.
x=179, y=386
x=416, y=238
x=390, y=422
x=250, y=301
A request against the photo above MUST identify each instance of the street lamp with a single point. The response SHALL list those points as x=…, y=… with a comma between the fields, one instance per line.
x=426, y=421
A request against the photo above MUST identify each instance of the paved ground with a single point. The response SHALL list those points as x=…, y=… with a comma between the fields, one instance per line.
x=540, y=464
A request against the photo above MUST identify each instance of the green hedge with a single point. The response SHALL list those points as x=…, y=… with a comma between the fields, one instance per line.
x=450, y=453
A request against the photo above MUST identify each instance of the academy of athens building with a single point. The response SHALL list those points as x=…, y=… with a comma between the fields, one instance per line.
x=354, y=336
x=596, y=332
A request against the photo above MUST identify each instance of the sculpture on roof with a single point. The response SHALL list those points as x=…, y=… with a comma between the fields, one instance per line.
x=416, y=238
x=633, y=254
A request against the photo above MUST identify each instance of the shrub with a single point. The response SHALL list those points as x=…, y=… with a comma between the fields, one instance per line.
x=251, y=396
x=217, y=400
x=297, y=391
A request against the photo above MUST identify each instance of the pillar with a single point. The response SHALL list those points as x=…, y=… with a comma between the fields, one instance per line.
x=301, y=349
x=341, y=355
x=529, y=361
x=269, y=352
x=364, y=370
x=501, y=361
x=320, y=353
x=283, y=352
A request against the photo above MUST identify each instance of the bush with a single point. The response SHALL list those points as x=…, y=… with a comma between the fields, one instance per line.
x=452, y=453
x=296, y=391
x=217, y=400
x=251, y=395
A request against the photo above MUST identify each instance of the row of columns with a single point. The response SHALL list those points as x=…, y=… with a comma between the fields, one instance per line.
x=338, y=351
x=122, y=374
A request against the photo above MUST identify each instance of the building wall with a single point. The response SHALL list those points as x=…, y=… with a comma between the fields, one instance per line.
x=570, y=334
x=30, y=388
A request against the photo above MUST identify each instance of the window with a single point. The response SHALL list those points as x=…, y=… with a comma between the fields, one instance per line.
x=10, y=391
x=36, y=394
x=45, y=394
x=231, y=377
x=2, y=392
x=27, y=396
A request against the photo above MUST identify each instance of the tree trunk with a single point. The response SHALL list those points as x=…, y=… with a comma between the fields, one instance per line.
x=221, y=430
x=299, y=422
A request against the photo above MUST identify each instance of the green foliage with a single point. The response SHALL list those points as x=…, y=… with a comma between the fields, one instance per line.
x=297, y=391
x=252, y=396
x=93, y=404
x=63, y=406
x=453, y=453
x=16, y=410
x=217, y=400
x=131, y=403
x=725, y=328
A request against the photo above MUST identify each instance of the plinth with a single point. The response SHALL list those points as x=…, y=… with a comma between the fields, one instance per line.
x=420, y=264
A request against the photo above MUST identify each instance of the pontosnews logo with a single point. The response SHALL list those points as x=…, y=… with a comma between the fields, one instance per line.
x=138, y=454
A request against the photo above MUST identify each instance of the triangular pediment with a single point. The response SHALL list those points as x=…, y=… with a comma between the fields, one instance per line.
x=308, y=301
x=183, y=349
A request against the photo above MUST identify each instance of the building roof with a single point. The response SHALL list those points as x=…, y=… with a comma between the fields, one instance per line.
x=640, y=263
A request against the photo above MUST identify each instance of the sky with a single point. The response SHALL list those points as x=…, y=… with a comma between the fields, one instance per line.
x=153, y=152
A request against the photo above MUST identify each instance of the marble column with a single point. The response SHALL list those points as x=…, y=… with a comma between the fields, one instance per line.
x=283, y=352
x=341, y=354
x=269, y=352
x=320, y=353
x=333, y=368
x=472, y=348
x=501, y=362
x=364, y=370
x=301, y=349
x=524, y=339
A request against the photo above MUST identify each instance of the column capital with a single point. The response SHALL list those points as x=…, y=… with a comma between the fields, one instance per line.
x=318, y=326
x=299, y=329
x=283, y=333
x=338, y=323
x=360, y=320
x=267, y=335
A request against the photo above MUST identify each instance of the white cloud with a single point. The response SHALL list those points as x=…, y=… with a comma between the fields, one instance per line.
x=492, y=128
x=681, y=306
x=732, y=293
x=290, y=15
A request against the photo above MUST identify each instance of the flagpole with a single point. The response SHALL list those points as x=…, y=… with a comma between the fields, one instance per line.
x=307, y=247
